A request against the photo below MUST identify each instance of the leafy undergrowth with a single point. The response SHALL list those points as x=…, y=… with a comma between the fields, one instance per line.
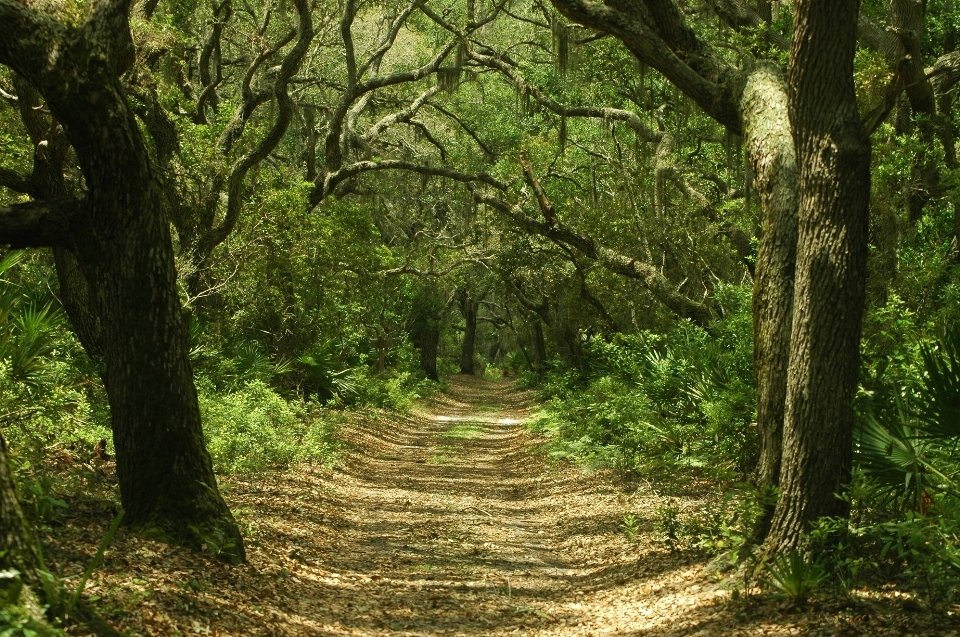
x=494, y=539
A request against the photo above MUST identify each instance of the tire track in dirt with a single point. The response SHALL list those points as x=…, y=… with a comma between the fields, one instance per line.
x=450, y=523
x=443, y=521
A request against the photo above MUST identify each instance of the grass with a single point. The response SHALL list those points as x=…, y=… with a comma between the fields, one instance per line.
x=464, y=431
x=443, y=454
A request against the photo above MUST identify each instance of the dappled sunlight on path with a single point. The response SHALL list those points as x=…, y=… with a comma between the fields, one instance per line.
x=444, y=521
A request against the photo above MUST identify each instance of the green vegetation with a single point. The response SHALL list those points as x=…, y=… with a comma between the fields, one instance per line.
x=660, y=402
x=324, y=208
x=464, y=431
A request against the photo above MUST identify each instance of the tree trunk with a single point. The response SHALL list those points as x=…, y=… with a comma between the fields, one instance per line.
x=769, y=148
x=19, y=548
x=833, y=153
x=907, y=17
x=166, y=475
x=428, y=312
x=77, y=303
x=47, y=181
x=567, y=338
x=765, y=9
x=20, y=552
x=429, y=343
x=539, y=349
x=468, y=307
x=121, y=241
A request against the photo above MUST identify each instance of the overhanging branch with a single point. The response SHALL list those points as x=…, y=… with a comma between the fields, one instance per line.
x=38, y=224
x=16, y=182
x=657, y=284
x=334, y=179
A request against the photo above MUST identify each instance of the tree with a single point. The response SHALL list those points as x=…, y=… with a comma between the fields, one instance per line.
x=20, y=556
x=833, y=152
x=752, y=101
x=469, y=306
x=196, y=211
x=365, y=78
x=428, y=311
x=551, y=228
x=119, y=236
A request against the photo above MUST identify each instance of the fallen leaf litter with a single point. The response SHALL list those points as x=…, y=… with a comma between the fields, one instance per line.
x=446, y=521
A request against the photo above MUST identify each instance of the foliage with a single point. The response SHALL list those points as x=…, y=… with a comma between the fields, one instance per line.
x=905, y=522
x=322, y=378
x=939, y=391
x=650, y=401
x=254, y=428
x=926, y=548
x=49, y=398
x=794, y=577
x=725, y=527
x=395, y=390
x=308, y=308
x=919, y=550
x=630, y=526
x=15, y=621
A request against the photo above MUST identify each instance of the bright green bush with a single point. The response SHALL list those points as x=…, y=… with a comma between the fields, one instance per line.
x=48, y=398
x=392, y=390
x=62, y=416
x=254, y=428
x=653, y=401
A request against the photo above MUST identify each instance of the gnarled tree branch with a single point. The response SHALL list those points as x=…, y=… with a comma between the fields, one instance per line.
x=38, y=224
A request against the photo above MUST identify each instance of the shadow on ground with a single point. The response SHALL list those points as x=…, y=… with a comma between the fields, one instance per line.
x=444, y=521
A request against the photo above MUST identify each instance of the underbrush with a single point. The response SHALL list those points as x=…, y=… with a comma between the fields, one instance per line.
x=259, y=411
x=655, y=403
x=916, y=553
x=904, y=527
x=676, y=406
x=254, y=428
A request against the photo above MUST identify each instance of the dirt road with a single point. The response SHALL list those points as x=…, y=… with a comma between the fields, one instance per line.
x=446, y=521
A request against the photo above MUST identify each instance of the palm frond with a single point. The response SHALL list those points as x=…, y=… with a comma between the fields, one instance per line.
x=890, y=451
x=940, y=388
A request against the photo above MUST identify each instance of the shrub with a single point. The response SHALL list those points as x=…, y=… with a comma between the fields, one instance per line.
x=397, y=387
x=254, y=428
x=794, y=577
x=649, y=401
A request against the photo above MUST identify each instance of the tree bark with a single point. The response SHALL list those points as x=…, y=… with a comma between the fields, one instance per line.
x=769, y=147
x=77, y=302
x=19, y=547
x=539, y=349
x=765, y=10
x=468, y=307
x=425, y=332
x=907, y=17
x=47, y=183
x=20, y=552
x=833, y=152
x=428, y=351
x=121, y=241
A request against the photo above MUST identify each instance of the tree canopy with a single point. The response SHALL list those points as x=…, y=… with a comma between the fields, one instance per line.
x=718, y=237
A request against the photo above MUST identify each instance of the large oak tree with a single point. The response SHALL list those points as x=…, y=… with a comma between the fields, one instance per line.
x=809, y=407
x=119, y=239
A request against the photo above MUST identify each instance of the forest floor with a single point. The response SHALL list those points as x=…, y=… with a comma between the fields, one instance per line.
x=448, y=520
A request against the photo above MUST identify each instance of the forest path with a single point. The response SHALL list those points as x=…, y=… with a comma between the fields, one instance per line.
x=447, y=521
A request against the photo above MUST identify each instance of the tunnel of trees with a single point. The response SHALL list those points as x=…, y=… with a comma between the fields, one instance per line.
x=718, y=236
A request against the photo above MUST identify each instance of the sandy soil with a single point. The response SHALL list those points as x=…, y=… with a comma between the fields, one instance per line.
x=446, y=521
